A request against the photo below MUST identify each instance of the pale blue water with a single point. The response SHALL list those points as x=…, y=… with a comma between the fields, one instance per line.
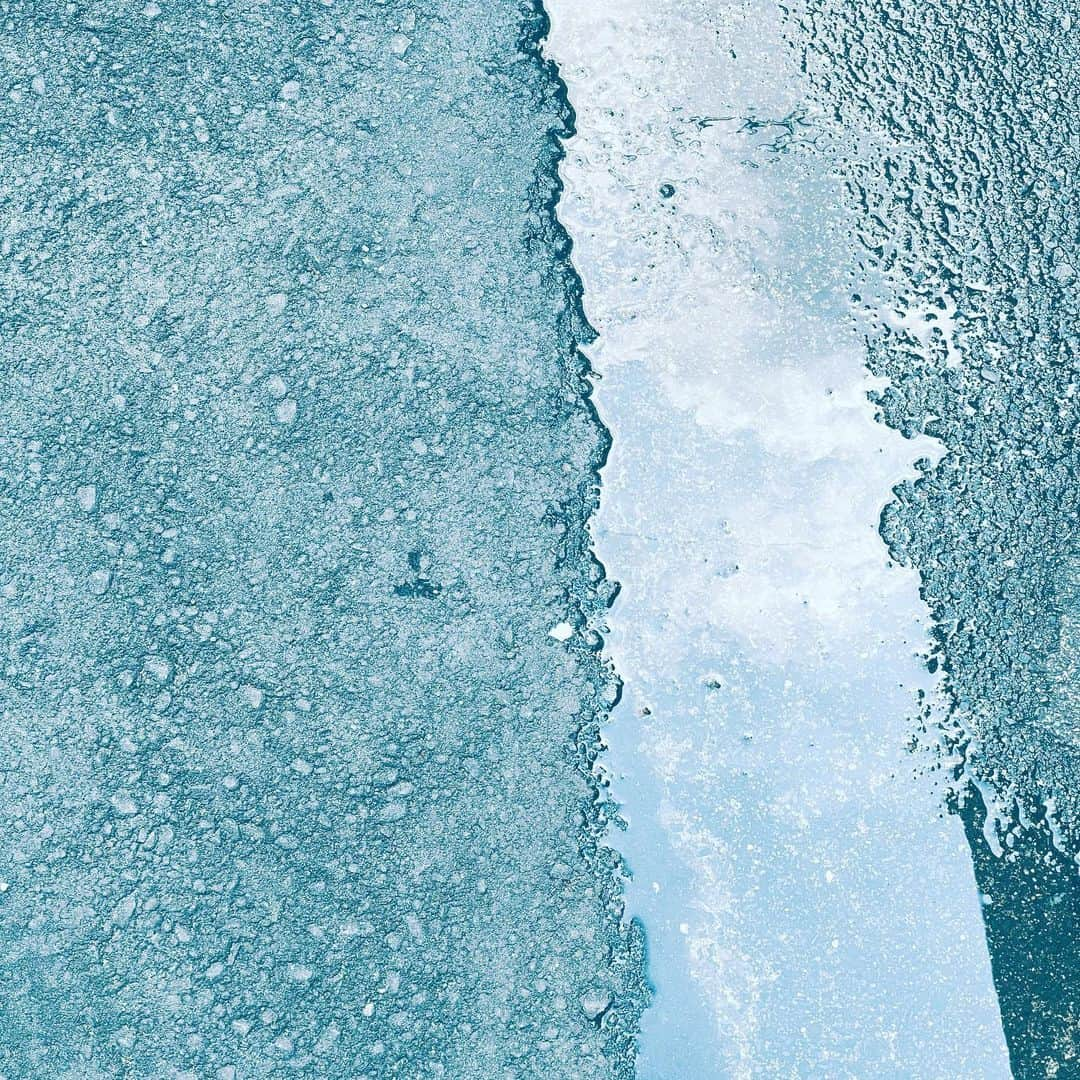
x=810, y=906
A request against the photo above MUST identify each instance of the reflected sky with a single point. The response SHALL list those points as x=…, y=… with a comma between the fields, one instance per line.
x=810, y=909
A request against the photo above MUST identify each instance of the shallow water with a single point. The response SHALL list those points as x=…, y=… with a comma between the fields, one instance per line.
x=810, y=907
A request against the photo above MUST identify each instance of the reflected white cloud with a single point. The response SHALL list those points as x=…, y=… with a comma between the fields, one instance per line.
x=811, y=911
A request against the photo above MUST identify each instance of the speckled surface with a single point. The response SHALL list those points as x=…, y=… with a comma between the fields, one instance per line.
x=958, y=133
x=305, y=650
x=297, y=454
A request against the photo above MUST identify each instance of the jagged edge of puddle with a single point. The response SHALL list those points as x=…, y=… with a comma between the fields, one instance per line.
x=627, y=949
x=986, y=807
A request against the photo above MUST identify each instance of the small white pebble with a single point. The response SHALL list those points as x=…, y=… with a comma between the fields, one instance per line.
x=86, y=497
x=99, y=582
x=159, y=667
x=290, y=91
x=37, y=84
x=329, y=1036
x=121, y=914
x=275, y=303
x=285, y=412
x=595, y=1003
x=252, y=695
x=563, y=632
x=151, y=11
x=276, y=386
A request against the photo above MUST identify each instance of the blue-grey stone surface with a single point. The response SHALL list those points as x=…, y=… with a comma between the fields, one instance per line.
x=296, y=457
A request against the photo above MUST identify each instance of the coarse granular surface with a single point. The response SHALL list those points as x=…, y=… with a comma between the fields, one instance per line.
x=301, y=684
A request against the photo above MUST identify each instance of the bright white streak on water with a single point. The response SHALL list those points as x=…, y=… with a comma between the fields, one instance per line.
x=810, y=910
